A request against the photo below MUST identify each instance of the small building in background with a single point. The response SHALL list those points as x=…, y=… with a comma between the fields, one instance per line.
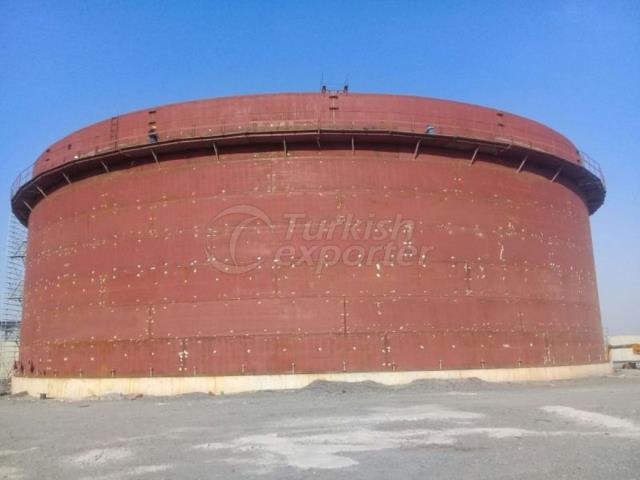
x=624, y=351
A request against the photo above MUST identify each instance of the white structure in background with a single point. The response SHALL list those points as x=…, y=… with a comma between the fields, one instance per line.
x=8, y=355
x=12, y=296
x=624, y=349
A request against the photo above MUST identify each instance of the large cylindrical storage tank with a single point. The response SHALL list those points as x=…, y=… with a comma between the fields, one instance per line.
x=265, y=241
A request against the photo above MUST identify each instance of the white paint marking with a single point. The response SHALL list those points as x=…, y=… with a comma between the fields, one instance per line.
x=386, y=415
x=594, y=419
x=10, y=473
x=323, y=443
x=130, y=472
x=99, y=456
x=4, y=453
x=327, y=450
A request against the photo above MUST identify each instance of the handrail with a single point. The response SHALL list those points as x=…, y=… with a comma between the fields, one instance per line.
x=478, y=130
x=593, y=166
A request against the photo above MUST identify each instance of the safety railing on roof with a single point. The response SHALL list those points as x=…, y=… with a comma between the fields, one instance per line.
x=593, y=166
x=23, y=177
x=440, y=126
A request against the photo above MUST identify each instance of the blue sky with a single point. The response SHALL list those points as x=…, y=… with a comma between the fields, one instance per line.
x=574, y=66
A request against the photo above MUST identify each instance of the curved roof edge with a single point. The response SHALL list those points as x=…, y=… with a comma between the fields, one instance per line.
x=265, y=117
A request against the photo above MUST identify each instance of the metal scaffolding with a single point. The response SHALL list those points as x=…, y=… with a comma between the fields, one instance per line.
x=12, y=299
x=13, y=280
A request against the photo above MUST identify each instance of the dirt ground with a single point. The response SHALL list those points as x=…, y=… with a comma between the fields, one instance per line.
x=586, y=429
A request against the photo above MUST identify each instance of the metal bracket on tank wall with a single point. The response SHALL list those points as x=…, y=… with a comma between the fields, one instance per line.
x=66, y=177
x=155, y=157
x=104, y=165
x=473, y=157
x=557, y=174
x=416, y=151
x=215, y=149
x=41, y=191
x=524, y=160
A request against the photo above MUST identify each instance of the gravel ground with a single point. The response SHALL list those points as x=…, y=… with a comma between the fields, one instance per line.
x=430, y=429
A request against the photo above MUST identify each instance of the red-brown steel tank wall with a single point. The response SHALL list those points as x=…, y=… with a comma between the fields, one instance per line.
x=271, y=112
x=117, y=280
